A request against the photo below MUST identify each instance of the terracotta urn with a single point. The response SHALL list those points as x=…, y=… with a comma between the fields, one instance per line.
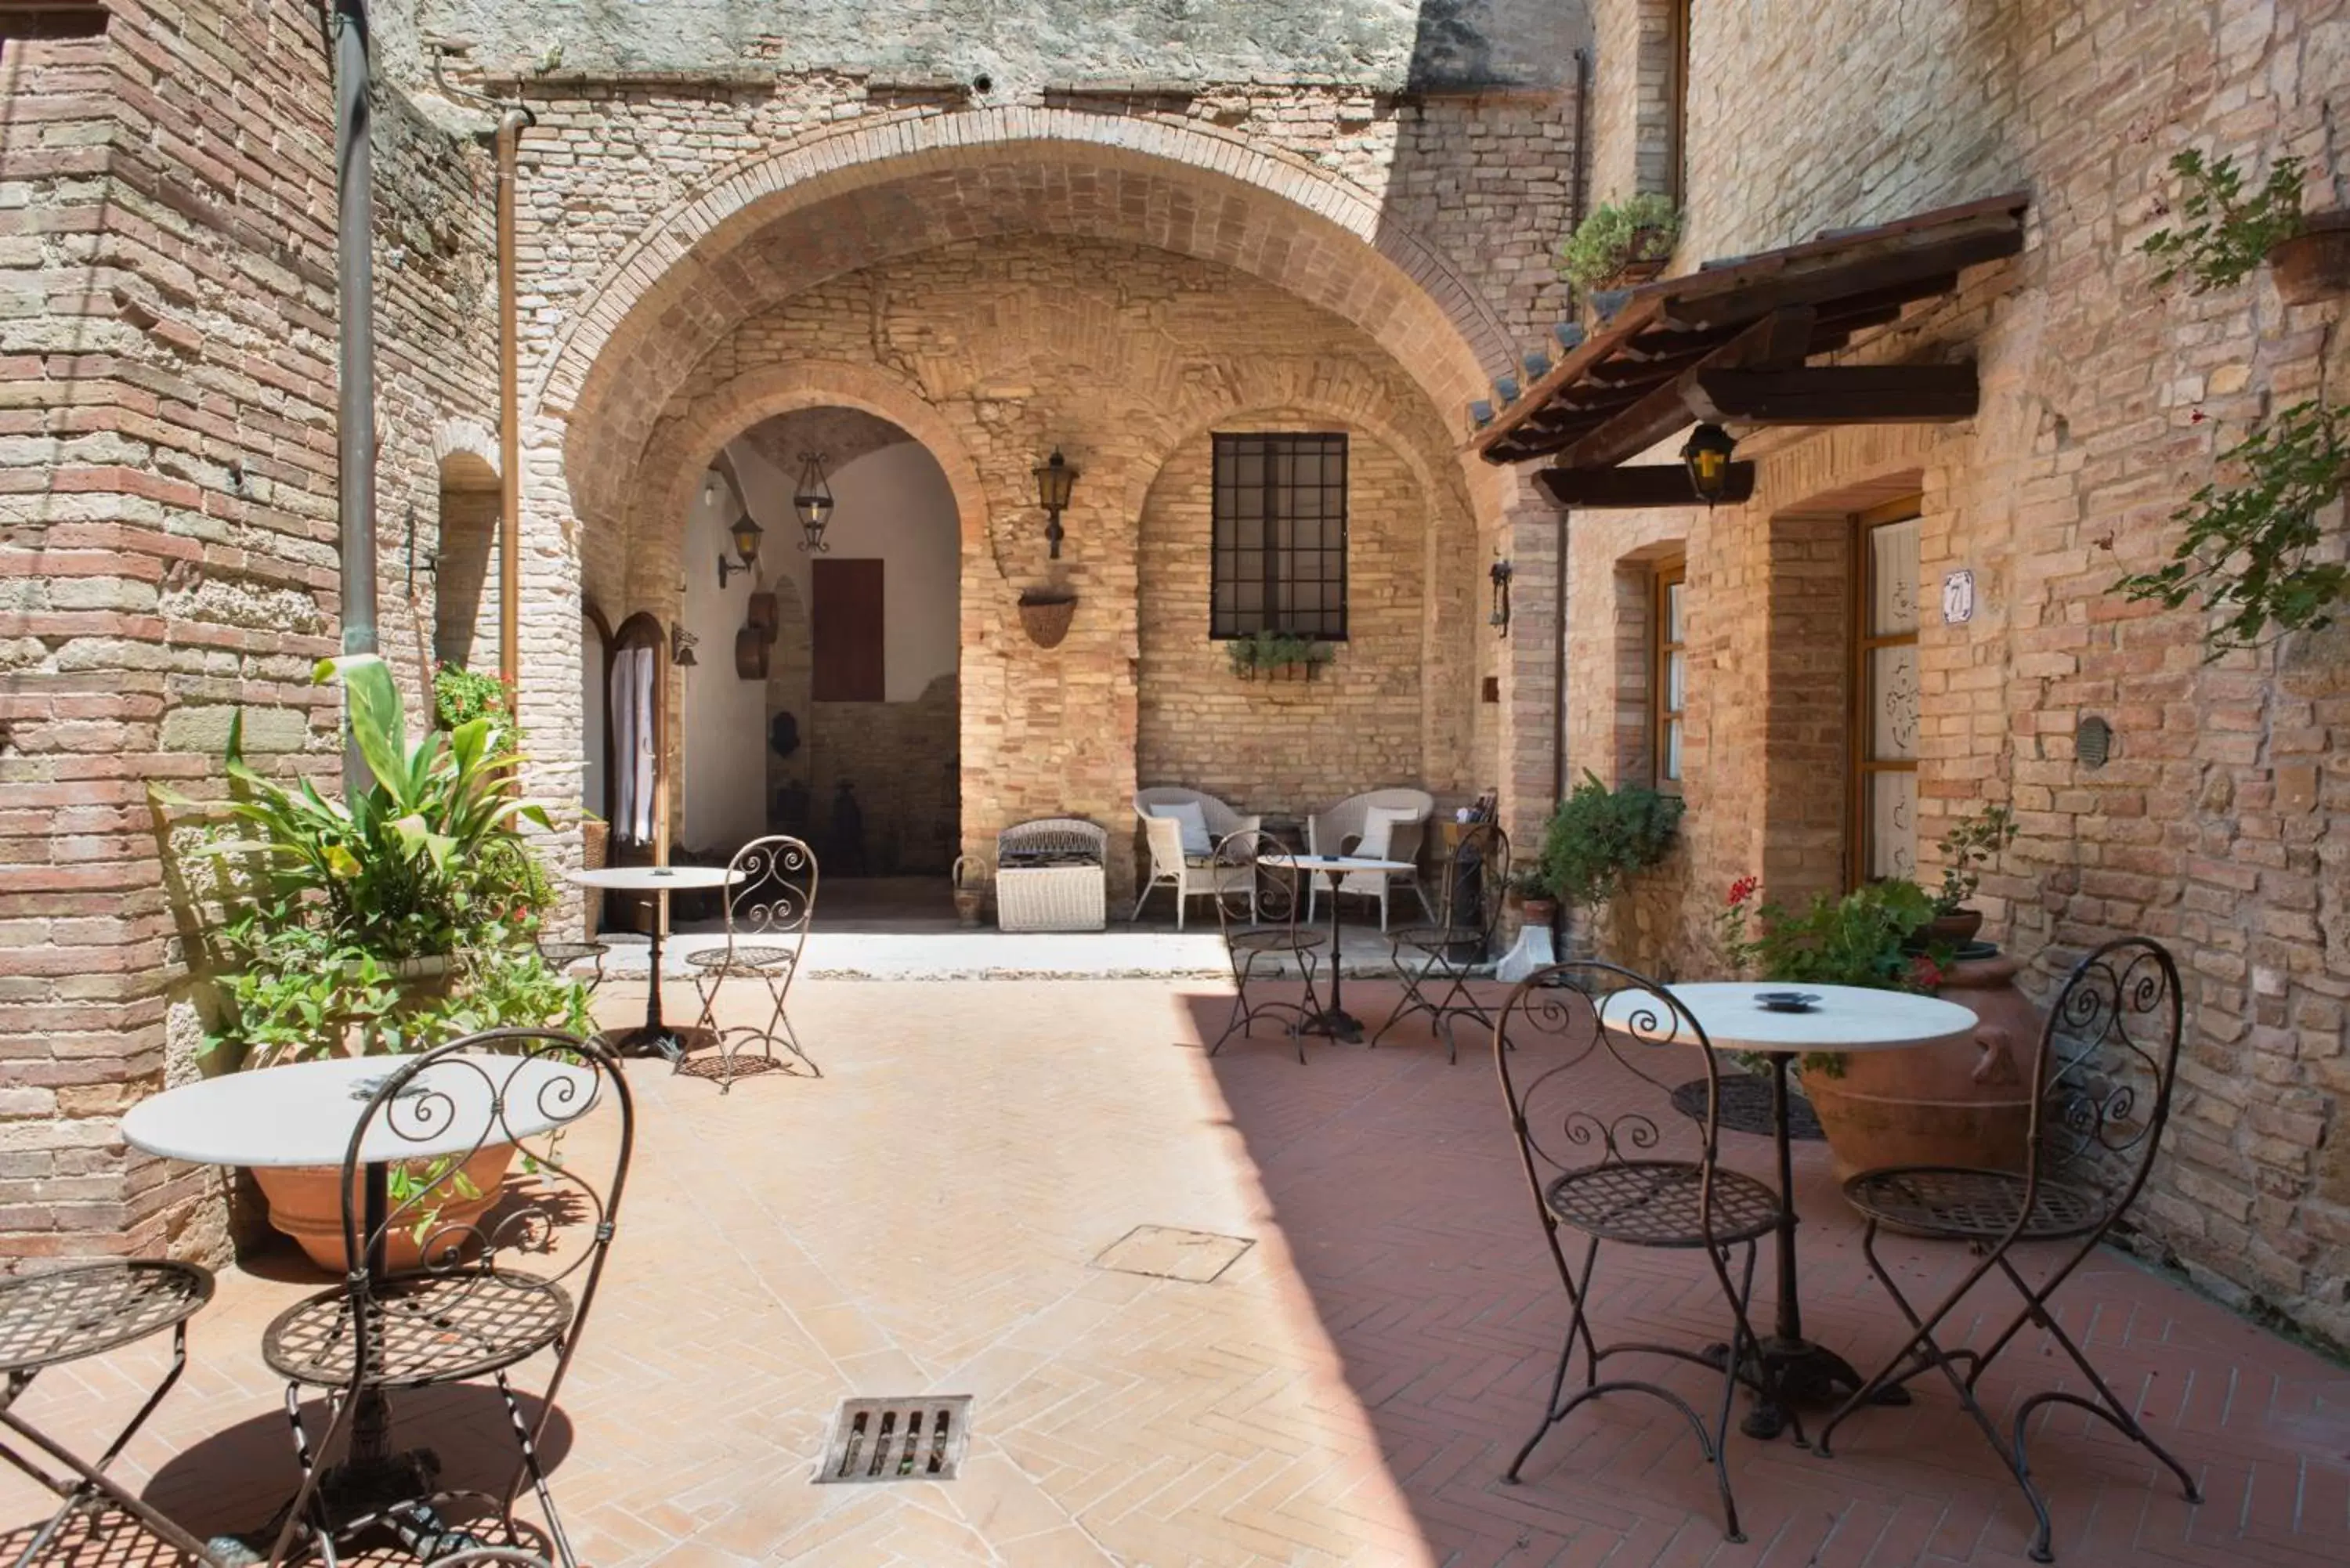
x=305, y=1203
x=1965, y=1101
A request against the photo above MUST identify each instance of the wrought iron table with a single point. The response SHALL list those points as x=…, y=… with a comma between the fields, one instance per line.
x=1846, y=1019
x=1334, y=1021
x=303, y=1114
x=655, y=1038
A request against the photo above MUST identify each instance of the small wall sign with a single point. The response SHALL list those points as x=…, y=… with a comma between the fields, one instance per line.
x=1959, y=597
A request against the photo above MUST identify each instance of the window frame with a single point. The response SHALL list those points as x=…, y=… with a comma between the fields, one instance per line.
x=1668, y=575
x=1274, y=587
x=1862, y=643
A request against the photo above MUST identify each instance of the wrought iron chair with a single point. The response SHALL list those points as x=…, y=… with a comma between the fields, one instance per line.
x=1436, y=962
x=2107, y=1063
x=1561, y=1035
x=472, y=1309
x=69, y=1314
x=560, y=956
x=768, y=910
x=1257, y=905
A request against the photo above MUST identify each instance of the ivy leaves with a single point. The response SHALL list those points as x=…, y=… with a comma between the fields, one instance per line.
x=2227, y=234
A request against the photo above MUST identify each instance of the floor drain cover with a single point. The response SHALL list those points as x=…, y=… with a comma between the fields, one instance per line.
x=897, y=1439
x=1198, y=1256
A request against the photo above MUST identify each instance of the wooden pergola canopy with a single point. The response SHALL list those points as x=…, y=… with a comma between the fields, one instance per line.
x=50, y=19
x=1731, y=343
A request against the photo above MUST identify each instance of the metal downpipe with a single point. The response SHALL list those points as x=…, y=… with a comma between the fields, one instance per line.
x=354, y=363
x=510, y=125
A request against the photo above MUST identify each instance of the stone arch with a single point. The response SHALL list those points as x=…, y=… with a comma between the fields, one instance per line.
x=465, y=450
x=844, y=200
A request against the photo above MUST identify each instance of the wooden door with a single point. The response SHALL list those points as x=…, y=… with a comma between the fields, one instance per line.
x=845, y=632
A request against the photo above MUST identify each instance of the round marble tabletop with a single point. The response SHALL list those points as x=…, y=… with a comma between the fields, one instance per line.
x=1847, y=1019
x=1340, y=863
x=653, y=878
x=304, y=1112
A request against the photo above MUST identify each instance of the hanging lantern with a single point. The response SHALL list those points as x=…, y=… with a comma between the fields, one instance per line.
x=1706, y=455
x=812, y=502
x=1500, y=572
x=747, y=534
x=1055, y=480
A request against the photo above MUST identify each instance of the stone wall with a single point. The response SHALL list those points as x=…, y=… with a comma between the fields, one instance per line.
x=900, y=760
x=167, y=532
x=2105, y=400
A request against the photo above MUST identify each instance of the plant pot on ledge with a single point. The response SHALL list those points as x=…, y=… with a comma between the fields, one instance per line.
x=2314, y=264
x=1046, y=617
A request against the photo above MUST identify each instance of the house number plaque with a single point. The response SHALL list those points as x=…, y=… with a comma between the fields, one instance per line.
x=1959, y=597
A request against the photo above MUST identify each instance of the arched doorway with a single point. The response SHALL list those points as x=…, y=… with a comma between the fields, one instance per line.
x=826, y=704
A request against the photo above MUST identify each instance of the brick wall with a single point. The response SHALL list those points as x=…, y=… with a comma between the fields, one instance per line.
x=900, y=759
x=2104, y=401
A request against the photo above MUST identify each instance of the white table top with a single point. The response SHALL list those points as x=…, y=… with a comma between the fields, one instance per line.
x=1336, y=863
x=653, y=878
x=1847, y=1019
x=304, y=1112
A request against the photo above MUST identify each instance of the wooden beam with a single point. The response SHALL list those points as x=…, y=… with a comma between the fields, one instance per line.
x=1837, y=395
x=1642, y=485
x=1778, y=339
x=1627, y=325
x=50, y=19
x=1911, y=267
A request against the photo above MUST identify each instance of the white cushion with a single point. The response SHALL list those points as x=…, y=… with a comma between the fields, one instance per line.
x=1379, y=824
x=1185, y=814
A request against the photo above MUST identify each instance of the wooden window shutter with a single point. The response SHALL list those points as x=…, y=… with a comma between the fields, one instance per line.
x=845, y=629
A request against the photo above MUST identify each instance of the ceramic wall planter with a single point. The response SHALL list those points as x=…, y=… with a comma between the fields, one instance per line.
x=1965, y=1102
x=2314, y=264
x=305, y=1202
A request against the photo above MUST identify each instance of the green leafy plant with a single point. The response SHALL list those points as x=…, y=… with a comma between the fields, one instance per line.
x=2226, y=233
x=1598, y=836
x=1969, y=847
x=1866, y=938
x=1264, y=651
x=2246, y=549
x=460, y=695
x=1616, y=236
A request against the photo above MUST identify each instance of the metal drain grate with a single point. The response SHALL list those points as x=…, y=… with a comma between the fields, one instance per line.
x=897, y=1439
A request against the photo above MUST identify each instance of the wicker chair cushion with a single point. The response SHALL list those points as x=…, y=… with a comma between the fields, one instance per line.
x=64, y=1314
x=1654, y=1203
x=1973, y=1205
x=436, y=1328
x=1186, y=816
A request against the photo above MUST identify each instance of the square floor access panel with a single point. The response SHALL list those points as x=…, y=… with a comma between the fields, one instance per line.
x=1166, y=1253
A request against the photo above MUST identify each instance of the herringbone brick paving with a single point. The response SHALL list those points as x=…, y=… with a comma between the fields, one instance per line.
x=922, y=1219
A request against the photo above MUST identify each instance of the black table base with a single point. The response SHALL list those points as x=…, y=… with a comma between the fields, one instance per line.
x=671, y=1045
x=1802, y=1373
x=1334, y=1023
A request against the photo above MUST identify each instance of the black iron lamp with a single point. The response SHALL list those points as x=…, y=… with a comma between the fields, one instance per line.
x=681, y=644
x=812, y=503
x=1706, y=455
x=1055, y=480
x=746, y=533
x=1500, y=572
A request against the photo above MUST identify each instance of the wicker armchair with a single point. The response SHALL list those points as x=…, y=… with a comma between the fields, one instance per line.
x=1192, y=873
x=1339, y=829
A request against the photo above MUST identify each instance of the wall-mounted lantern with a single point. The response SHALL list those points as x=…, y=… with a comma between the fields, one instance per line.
x=1706, y=455
x=1500, y=572
x=1055, y=480
x=812, y=503
x=746, y=533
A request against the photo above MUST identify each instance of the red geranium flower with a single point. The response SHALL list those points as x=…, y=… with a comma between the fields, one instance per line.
x=1743, y=889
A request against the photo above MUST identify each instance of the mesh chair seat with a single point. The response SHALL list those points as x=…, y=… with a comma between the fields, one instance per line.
x=67, y=1313
x=434, y=1328
x=1961, y=1205
x=1437, y=939
x=1654, y=1203
x=563, y=955
x=1275, y=939
x=744, y=959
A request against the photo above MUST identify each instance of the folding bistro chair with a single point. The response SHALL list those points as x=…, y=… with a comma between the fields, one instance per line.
x=1569, y=1039
x=767, y=914
x=65, y=1314
x=2107, y=1062
x=1257, y=905
x=1436, y=961
x=488, y=1293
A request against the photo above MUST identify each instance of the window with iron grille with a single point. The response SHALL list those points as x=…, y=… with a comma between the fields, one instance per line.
x=1279, y=544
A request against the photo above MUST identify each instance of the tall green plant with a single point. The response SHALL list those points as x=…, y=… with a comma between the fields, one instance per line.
x=1598, y=836
x=2226, y=233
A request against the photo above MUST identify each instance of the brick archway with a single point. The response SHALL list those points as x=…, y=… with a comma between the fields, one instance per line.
x=842, y=201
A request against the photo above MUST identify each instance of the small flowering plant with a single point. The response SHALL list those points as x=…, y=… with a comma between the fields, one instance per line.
x=1868, y=938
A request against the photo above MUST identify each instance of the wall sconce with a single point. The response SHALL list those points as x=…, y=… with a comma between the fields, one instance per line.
x=746, y=533
x=681, y=647
x=1500, y=572
x=812, y=503
x=1055, y=480
x=1706, y=455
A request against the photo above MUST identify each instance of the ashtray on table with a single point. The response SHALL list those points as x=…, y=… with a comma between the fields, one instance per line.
x=1786, y=1000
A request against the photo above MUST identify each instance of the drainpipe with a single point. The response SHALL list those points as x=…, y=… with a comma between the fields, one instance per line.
x=510, y=125
x=355, y=369
x=1558, y=629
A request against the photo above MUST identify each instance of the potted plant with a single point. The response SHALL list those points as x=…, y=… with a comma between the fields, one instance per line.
x=1961, y=1103
x=388, y=920
x=1599, y=838
x=1278, y=653
x=1621, y=244
x=1972, y=843
x=970, y=881
x=2226, y=232
x=2247, y=549
x=1045, y=615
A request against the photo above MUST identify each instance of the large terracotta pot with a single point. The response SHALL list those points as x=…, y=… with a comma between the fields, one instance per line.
x=1964, y=1102
x=305, y=1204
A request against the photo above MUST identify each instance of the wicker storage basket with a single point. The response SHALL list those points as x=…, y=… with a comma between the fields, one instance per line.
x=1048, y=875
